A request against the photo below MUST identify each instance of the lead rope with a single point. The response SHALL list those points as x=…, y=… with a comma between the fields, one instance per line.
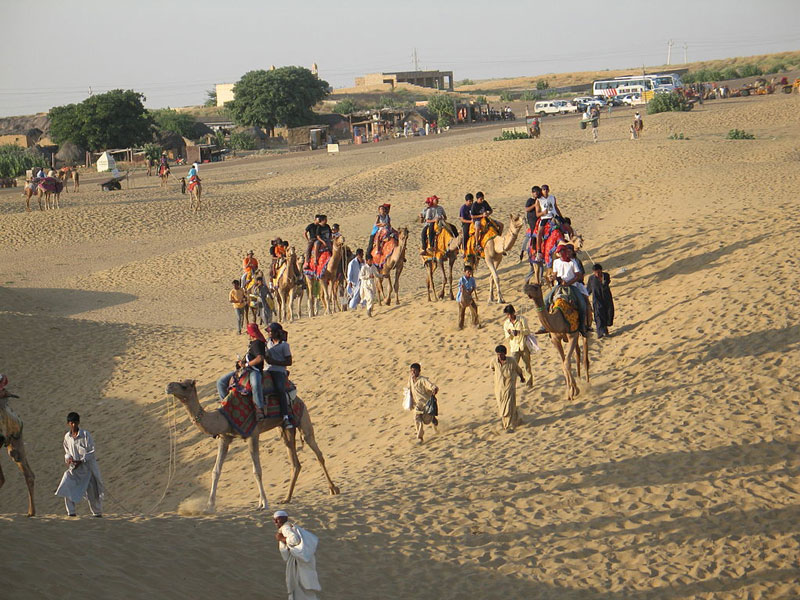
x=173, y=445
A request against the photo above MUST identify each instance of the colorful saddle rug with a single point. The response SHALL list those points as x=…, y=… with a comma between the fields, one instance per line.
x=193, y=182
x=491, y=229
x=564, y=300
x=315, y=270
x=238, y=407
x=444, y=235
x=51, y=185
x=387, y=242
x=550, y=238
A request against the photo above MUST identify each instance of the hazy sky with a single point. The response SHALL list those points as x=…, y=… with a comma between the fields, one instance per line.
x=53, y=50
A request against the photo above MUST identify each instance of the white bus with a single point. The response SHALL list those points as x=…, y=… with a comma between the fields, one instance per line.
x=636, y=84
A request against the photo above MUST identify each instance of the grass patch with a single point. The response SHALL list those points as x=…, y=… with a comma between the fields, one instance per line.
x=678, y=136
x=739, y=134
x=512, y=135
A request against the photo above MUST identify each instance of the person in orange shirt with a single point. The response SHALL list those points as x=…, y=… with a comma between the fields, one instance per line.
x=249, y=266
x=238, y=299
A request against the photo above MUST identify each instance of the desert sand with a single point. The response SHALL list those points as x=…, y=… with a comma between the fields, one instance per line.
x=675, y=474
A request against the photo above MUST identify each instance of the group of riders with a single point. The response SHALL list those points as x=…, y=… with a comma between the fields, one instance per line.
x=192, y=177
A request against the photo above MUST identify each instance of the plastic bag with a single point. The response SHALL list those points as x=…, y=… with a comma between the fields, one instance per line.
x=408, y=404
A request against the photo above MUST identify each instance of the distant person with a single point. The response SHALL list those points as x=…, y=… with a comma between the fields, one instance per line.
x=531, y=216
x=638, y=125
x=324, y=238
x=506, y=370
x=480, y=211
x=600, y=289
x=595, y=113
x=311, y=237
x=431, y=215
x=238, y=299
x=516, y=331
x=367, y=277
x=467, y=294
x=82, y=478
x=383, y=222
x=422, y=390
x=298, y=548
x=262, y=291
x=353, y=283
x=76, y=179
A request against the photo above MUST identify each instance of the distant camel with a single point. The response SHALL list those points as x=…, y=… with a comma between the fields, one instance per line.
x=216, y=425
x=286, y=286
x=445, y=262
x=494, y=250
x=395, y=262
x=195, y=189
x=11, y=435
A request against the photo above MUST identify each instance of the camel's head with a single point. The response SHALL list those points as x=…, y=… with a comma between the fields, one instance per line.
x=291, y=254
x=533, y=290
x=516, y=222
x=402, y=234
x=338, y=242
x=182, y=390
x=577, y=242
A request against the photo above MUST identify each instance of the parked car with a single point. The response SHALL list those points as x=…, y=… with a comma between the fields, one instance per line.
x=546, y=107
x=565, y=106
x=631, y=99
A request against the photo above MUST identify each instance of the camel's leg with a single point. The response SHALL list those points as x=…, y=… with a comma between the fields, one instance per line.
x=429, y=280
x=16, y=450
x=308, y=435
x=289, y=436
x=444, y=279
x=572, y=387
x=495, y=280
x=223, y=444
x=397, y=270
x=289, y=301
x=255, y=457
x=39, y=198
x=450, y=276
x=586, y=356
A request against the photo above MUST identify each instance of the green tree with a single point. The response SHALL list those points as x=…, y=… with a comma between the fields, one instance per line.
x=345, y=106
x=116, y=119
x=481, y=100
x=211, y=97
x=14, y=161
x=167, y=119
x=666, y=103
x=152, y=151
x=542, y=84
x=442, y=106
x=241, y=140
x=284, y=96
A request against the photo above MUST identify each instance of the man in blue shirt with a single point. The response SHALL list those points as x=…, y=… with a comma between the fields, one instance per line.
x=467, y=294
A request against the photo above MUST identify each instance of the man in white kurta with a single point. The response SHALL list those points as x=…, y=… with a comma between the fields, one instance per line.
x=353, y=282
x=298, y=548
x=367, y=276
x=82, y=478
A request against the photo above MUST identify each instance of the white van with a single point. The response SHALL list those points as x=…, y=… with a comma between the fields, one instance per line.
x=546, y=107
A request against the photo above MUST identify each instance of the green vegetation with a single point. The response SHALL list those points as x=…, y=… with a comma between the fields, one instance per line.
x=219, y=139
x=542, y=84
x=14, y=161
x=512, y=135
x=529, y=96
x=243, y=141
x=442, y=106
x=167, y=119
x=152, y=151
x=667, y=103
x=211, y=97
x=345, y=106
x=284, y=96
x=731, y=72
x=740, y=134
x=481, y=100
x=466, y=82
x=678, y=136
x=116, y=119
x=506, y=97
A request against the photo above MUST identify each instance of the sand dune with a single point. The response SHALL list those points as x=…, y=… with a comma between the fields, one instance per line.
x=674, y=475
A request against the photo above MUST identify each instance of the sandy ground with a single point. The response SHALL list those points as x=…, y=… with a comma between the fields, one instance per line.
x=674, y=474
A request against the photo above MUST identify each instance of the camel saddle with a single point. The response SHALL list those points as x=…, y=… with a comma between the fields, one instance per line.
x=193, y=182
x=444, y=235
x=384, y=244
x=51, y=185
x=239, y=409
x=278, y=267
x=564, y=300
x=491, y=229
x=315, y=270
x=550, y=238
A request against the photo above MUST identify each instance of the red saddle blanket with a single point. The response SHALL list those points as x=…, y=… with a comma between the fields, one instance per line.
x=550, y=239
x=386, y=246
x=239, y=410
x=315, y=269
x=51, y=185
x=193, y=183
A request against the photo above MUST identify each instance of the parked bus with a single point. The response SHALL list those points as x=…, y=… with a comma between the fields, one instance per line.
x=636, y=84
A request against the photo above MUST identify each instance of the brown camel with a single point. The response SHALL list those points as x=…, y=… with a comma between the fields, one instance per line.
x=447, y=270
x=29, y=191
x=560, y=332
x=215, y=424
x=493, y=252
x=194, y=192
x=328, y=281
x=11, y=435
x=163, y=173
x=395, y=262
x=287, y=286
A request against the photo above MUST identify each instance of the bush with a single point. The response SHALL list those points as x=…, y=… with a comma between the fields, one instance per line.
x=152, y=151
x=14, y=161
x=442, y=106
x=242, y=140
x=167, y=119
x=740, y=134
x=678, y=136
x=750, y=71
x=671, y=102
x=529, y=96
x=542, y=84
x=481, y=100
x=466, y=82
x=512, y=135
x=729, y=73
x=506, y=97
x=345, y=106
x=777, y=67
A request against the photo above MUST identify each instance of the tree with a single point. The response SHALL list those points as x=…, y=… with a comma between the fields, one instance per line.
x=283, y=96
x=211, y=97
x=345, y=106
x=442, y=106
x=116, y=119
x=14, y=161
x=167, y=119
x=542, y=84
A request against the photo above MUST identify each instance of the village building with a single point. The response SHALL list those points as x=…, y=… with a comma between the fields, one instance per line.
x=428, y=79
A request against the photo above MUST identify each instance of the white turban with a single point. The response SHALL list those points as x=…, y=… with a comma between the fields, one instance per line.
x=280, y=513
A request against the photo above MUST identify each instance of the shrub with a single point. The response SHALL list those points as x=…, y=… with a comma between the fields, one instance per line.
x=14, y=161
x=671, y=102
x=466, y=82
x=442, y=106
x=152, y=151
x=750, y=71
x=678, y=136
x=241, y=140
x=529, y=96
x=481, y=100
x=506, y=97
x=729, y=73
x=542, y=84
x=740, y=134
x=345, y=106
x=777, y=67
x=512, y=135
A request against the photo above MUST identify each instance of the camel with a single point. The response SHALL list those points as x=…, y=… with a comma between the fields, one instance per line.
x=29, y=191
x=560, y=332
x=287, y=286
x=328, y=281
x=163, y=173
x=493, y=252
x=447, y=275
x=194, y=192
x=395, y=262
x=11, y=435
x=215, y=424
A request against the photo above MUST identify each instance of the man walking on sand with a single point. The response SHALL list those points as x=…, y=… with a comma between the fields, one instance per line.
x=516, y=331
x=82, y=478
x=506, y=370
x=238, y=299
x=298, y=548
x=367, y=276
x=422, y=390
x=467, y=294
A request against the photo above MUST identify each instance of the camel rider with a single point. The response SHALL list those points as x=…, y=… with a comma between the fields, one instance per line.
x=480, y=212
x=432, y=215
x=311, y=236
x=249, y=266
x=382, y=223
x=192, y=178
x=163, y=167
x=277, y=250
x=253, y=364
x=279, y=356
x=324, y=240
x=465, y=216
x=568, y=275
x=546, y=211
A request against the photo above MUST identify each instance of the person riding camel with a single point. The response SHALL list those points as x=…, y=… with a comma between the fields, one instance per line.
x=432, y=215
x=546, y=211
x=277, y=250
x=480, y=212
x=324, y=239
x=249, y=266
x=567, y=274
x=192, y=178
x=383, y=224
x=163, y=167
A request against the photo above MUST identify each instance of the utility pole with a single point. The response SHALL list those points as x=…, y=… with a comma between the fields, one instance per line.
x=669, y=52
x=685, y=59
x=415, y=58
